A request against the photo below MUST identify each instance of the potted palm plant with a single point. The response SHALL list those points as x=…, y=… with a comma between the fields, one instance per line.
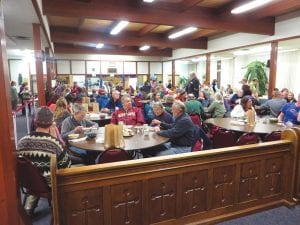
x=256, y=70
x=182, y=81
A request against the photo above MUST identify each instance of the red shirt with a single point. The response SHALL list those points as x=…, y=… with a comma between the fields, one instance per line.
x=132, y=117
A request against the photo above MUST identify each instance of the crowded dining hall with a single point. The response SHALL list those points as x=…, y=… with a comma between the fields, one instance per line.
x=150, y=112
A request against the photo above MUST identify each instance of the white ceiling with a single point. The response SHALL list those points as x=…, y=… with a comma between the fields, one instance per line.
x=19, y=15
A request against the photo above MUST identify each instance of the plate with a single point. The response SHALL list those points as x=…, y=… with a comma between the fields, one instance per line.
x=128, y=135
x=73, y=136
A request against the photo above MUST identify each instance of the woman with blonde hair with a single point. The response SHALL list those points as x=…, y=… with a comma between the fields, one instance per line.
x=61, y=111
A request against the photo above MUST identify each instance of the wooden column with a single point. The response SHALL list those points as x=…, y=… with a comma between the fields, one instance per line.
x=273, y=67
x=148, y=75
x=173, y=73
x=48, y=66
x=8, y=191
x=207, y=68
x=39, y=63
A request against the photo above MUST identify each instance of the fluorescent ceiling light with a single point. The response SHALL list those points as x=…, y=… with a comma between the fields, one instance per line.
x=250, y=5
x=120, y=26
x=144, y=48
x=99, y=45
x=148, y=1
x=183, y=32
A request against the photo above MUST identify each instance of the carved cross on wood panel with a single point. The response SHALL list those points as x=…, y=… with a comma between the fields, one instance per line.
x=248, y=181
x=126, y=203
x=223, y=185
x=162, y=198
x=273, y=175
x=85, y=211
x=196, y=188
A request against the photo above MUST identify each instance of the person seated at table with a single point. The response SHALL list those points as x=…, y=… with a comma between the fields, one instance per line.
x=102, y=98
x=274, y=104
x=241, y=109
x=74, y=124
x=169, y=99
x=290, y=112
x=114, y=103
x=204, y=98
x=284, y=93
x=181, y=132
x=217, y=107
x=236, y=98
x=160, y=115
x=38, y=147
x=181, y=96
x=61, y=111
x=129, y=114
x=245, y=87
x=193, y=106
x=93, y=96
x=291, y=97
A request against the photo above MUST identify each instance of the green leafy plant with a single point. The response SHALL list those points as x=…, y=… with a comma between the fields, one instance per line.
x=256, y=70
x=182, y=81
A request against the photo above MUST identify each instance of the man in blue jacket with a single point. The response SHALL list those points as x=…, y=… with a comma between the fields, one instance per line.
x=181, y=132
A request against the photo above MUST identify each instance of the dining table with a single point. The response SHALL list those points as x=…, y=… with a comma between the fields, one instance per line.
x=136, y=141
x=101, y=118
x=263, y=125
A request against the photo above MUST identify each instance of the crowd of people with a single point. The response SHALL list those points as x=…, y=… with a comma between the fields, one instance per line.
x=174, y=113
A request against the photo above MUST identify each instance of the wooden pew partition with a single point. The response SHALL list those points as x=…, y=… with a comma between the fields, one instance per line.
x=195, y=188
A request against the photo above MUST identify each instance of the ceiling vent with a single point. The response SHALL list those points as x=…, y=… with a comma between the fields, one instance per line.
x=21, y=38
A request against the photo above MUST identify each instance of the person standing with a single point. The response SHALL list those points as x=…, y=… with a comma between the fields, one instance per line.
x=14, y=95
x=193, y=84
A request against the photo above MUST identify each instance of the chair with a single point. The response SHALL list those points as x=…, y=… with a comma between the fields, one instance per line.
x=196, y=119
x=223, y=138
x=113, y=155
x=247, y=139
x=201, y=140
x=31, y=181
x=273, y=136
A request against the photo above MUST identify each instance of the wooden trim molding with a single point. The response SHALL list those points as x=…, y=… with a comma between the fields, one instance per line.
x=9, y=202
x=203, y=187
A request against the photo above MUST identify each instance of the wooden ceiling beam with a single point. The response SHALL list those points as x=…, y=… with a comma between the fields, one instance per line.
x=70, y=49
x=187, y=4
x=99, y=10
x=277, y=8
x=148, y=28
x=152, y=40
x=204, y=33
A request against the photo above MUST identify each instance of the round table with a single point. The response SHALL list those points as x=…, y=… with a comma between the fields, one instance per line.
x=101, y=118
x=262, y=125
x=135, y=142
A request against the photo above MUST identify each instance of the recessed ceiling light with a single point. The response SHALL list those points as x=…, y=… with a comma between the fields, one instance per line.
x=250, y=5
x=183, y=32
x=148, y=1
x=99, y=45
x=120, y=26
x=144, y=48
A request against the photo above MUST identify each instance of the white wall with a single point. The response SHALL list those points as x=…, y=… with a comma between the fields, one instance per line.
x=108, y=57
x=285, y=26
x=288, y=71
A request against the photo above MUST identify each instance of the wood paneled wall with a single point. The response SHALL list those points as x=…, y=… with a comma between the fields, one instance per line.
x=203, y=187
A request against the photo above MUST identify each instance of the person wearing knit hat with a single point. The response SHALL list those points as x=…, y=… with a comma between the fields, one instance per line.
x=39, y=146
x=44, y=117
